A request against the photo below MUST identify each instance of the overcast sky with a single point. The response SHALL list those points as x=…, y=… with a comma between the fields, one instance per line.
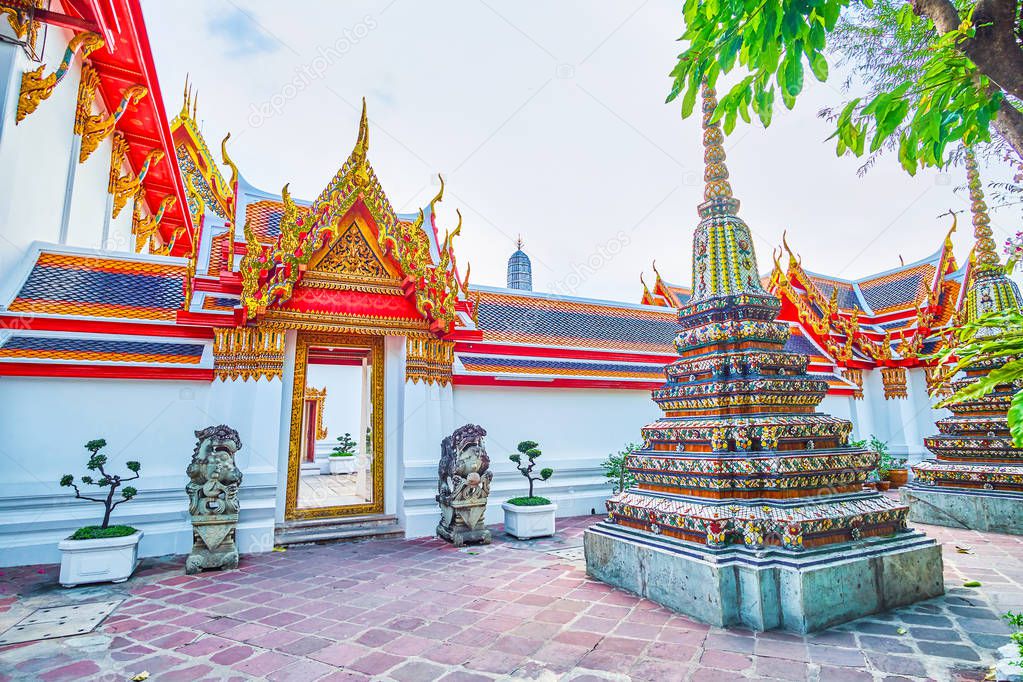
x=547, y=119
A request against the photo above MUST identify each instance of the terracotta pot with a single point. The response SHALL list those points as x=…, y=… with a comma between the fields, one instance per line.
x=883, y=485
x=898, y=477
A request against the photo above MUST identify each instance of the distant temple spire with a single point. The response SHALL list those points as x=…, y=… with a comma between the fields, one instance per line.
x=724, y=263
x=520, y=270
x=988, y=289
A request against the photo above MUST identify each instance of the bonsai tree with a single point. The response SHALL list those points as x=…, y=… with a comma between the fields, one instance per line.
x=886, y=462
x=109, y=481
x=618, y=476
x=528, y=448
x=345, y=446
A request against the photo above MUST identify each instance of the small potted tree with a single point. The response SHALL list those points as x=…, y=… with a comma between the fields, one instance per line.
x=893, y=468
x=95, y=554
x=531, y=516
x=342, y=457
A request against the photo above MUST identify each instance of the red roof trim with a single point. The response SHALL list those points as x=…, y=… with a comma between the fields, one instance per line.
x=36, y=369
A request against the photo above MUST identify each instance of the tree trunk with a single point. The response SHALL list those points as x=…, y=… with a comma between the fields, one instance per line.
x=993, y=49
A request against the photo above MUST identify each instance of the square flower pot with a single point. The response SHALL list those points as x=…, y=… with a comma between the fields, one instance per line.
x=529, y=522
x=342, y=465
x=98, y=561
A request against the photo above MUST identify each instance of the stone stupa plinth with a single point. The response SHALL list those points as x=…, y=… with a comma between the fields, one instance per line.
x=749, y=507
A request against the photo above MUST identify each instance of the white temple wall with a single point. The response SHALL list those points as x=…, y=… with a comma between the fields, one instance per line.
x=90, y=201
x=46, y=422
x=428, y=420
x=576, y=429
x=902, y=422
x=35, y=155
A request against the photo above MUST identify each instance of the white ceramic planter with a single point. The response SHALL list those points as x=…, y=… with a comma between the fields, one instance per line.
x=98, y=561
x=529, y=522
x=342, y=465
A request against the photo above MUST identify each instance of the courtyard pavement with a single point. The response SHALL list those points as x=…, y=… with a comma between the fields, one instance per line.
x=409, y=610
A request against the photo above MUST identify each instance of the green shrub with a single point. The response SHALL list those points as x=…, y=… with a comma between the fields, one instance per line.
x=96, y=532
x=345, y=446
x=529, y=449
x=111, y=482
x=532, y=501
x=619, y=478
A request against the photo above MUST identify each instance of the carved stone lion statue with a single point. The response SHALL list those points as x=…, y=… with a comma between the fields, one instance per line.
x=212, y=490
x=463, y=486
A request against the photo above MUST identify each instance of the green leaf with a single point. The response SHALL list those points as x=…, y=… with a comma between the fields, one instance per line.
x=1016, y=419
x=689, y=101
x=819, y=66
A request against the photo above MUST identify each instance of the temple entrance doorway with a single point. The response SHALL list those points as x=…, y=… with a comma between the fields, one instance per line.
x=335, y=463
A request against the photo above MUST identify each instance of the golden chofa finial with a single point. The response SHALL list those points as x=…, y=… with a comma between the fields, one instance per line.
x=440, y=194
x=362, y=149
x=984, y=243
x=229, y=162
x=186, y=99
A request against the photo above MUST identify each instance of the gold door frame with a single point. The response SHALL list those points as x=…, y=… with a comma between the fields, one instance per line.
x=375, y=344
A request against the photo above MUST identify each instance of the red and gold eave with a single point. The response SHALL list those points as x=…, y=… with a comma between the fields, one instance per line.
x=126, y=59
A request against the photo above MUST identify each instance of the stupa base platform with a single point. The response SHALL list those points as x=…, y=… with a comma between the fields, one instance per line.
x=992, y=511
x=771, y=588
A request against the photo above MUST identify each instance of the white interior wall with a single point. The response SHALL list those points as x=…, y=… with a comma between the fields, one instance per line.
x=89, y=203
x=46, y=422
x=341, y=410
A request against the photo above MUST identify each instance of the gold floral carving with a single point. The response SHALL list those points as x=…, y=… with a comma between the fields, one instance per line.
x=938, y=381
x=248, y=353
x=35, y=87
x=350, y=254
x=894, y=381
x=86, y=96
x=376, y=347
x=144, y=228
x=429, y=359
x=318, y=396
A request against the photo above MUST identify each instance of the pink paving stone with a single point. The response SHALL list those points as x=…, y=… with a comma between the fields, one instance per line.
x=194, y=672
x=781, y=669
x=417, y=671
x=408, y=645
x=176, y=639
x=190, y=619
x=255, y=613
x=126, y=625
x=586, y=639
x=672, y=652
x=246, y=632
x=276, y=639
x=510, y=644
x=341, y=631
x=377, y=663
x=281, y=619
x=709, y=675
x=555, y=616
x=659, y=671
x=217, y=625
x=344, y=676
x=680, y=636
x=377, y=637
x=725, y=660
x=638, y=631
x=465, y=676
x=450, y=653
x=610, y=662
x=304, y=646
x=438, y=631
x=303, y=670
x=159, y=664
x=205, y=645
x=264, y=663
x=340, y=654
x=232, y=655
x=608, y=611
x=495, y=662
x=781, y=649
x=72, y=671
x=621, y=645
x=591, y=624
x=312, y=625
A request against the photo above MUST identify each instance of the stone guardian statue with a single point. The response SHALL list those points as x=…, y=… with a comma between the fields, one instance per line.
x=463, y=486
x=212, y=490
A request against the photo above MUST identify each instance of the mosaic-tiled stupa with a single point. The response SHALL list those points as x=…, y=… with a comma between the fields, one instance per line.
x=749, y=506
x=976, y=480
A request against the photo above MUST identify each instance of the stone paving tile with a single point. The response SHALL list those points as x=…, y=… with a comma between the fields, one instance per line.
x=404, y=611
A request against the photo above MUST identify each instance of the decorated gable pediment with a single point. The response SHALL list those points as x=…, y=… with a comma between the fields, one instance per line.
x=354, y=255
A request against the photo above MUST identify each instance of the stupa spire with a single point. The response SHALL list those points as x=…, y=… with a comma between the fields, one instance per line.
x=717, y=192
x=984, y=250
x=724, y=262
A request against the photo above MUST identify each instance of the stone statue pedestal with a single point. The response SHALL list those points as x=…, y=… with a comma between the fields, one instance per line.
x=464, y=525
x=213, y=543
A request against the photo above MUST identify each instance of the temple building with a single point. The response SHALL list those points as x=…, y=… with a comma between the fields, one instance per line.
x=976, y=478
x=149, y=290
x=749, y=507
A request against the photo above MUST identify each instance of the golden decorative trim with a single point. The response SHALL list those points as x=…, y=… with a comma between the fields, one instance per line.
x=938, y=381
x=35, y=87
x=376, y=347
x=343, y=324
x=429, y=360
x=248, y=352
x=855, y=376
x=318, y=396
x=894, y=380
x=86, y=96
x=95, y=129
